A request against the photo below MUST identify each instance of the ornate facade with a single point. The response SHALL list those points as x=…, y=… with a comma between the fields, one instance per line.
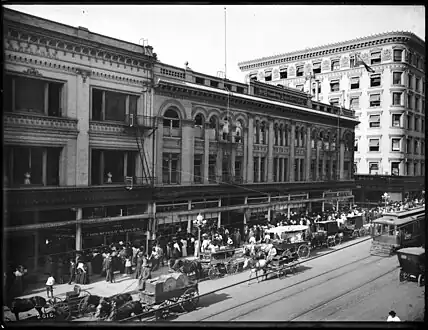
x=390, y=102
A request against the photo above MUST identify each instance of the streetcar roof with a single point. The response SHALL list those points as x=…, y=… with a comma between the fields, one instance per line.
x=283, y=229
x=327, y=221
x=417, y=251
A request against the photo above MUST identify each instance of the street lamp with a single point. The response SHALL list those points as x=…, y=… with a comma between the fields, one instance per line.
x=199, y=222
x=386, y=197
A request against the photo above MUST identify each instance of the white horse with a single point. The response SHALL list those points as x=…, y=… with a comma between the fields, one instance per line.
x=256, y=266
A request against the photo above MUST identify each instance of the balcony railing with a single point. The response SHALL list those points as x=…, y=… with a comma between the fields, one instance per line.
x=140, y=120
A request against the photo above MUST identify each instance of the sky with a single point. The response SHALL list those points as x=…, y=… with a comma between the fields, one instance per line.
x=196, y=34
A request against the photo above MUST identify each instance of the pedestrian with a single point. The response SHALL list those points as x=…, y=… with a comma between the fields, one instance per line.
x=184, y=247
x=128, y=265
x=138, y=269
x=393, y=317
x=49, y=286
x=72, y=272
x=109, y=269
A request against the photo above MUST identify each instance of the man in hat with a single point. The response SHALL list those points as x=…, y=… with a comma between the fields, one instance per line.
x=393, y=317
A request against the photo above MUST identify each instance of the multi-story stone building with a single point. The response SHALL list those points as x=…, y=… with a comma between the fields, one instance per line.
x=103, y=142
x=389, y=102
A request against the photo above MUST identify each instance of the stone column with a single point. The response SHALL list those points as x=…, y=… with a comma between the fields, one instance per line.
x=250, y=143
x=317, y=161
x=189, y=217
x=259, y=172
x=308, y=154
x=159, y=150
x=330, y=166
x=292, y=152
x=270, y=152
x=284, y=163
x=79, y=239
x=245, y=211
x=269, y=208
x=278, y=178
x=342, y=160
x=245, y=160
x=206, y=151
x=187, y=151
x=232, y=160
x=298, y=169
x=219, y=214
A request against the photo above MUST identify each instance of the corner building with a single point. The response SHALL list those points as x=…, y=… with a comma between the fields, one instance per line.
x=389, y=103
x=104, y=143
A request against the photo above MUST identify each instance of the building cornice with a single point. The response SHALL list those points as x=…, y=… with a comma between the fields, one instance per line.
x=332, y=49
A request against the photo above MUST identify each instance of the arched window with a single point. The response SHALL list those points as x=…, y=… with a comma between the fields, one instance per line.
x=238, y=131
x=327, y=141
x=321, y=140
x=225, y=128
x=276, y=139
x=171, y=118
x=281, y=135
x=333, y=141
x=286, y=143
x=302, y=137
x=296, y=137
x=256, y=133
x=313, y=139
x=199, y=120
x=213, y=127
x=262, y=137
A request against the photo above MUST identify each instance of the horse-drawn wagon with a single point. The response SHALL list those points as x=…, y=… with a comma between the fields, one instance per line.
x=74, y=305
x=219, y=263
x=291, y=239
x=353, y=227
x=327, y=233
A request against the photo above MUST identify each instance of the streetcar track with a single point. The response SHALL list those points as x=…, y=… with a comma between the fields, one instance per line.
x=288, y=287
x=324, y=303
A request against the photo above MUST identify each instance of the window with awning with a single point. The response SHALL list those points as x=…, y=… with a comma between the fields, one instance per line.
x=282, y=73
x=355, y=82
x=268, y=75
x=354, y=103
x=375, y=58
x=375, y=80
x=373, y=144
x=316, y=67
x=374, y=121
x=334, y=85
x=299, y=71
x=374, y=100
x=253, y=76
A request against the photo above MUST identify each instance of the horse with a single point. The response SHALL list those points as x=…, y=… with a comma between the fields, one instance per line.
x=131, y=308
x=255, y=266
x=19, y=305
x=105, y=303
x=187, y=267
x=91, y=300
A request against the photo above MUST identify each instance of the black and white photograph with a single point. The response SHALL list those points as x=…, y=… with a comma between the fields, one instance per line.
x=206, y=164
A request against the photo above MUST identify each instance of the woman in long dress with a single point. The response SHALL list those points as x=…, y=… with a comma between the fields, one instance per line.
x=184, y=247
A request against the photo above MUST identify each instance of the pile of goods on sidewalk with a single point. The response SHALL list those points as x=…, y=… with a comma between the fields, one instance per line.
x=156, y=288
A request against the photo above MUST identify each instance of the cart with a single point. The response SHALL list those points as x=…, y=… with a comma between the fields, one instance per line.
x=159, y=299
x=280, y=264
x=219, y=263
x=327, y=233
x=412, y=263
x=291, y=239
x=72, y=306
x=354, y=226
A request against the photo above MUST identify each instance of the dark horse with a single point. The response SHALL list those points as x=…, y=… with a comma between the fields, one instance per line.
x=105, y=303
x=19, y=305
x=131, y=308
x=91, y=301
x=187, y=267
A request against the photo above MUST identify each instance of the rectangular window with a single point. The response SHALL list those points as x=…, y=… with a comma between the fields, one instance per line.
x=262, y=169
x=299, y=71
x=416, y=124
x=238, y=170
x=375, y=80
x=334, y=86
x=396, y=120
x=395, y=144
x=418, y=84
x=256, y=169
x=374, y=168
x=417, y=103
x=398, y=55
x=316, y=68
x=335, y=66
x=355, y=83
x=212, y=169
x=396, y=98
x=409, y=122
x=354, y=103
x=409, y=81
x=299, y=87
x=275, y=168
x=408, y=146
x=197, y=169
x=422, y=148
x=170, y=169
x=115, y=104
x=373, y=144
x=113, y=166
x=374, y=100
x=334, y=102
x=422, y=125
x=395, y=168
x=283, y=73
x=107, y=105
x=396, y=78
x=268, y=75
x=240, y=90
x=314, y=88
x=415, y=147
x=409, y=101
x=200, y=81
x=375, y=58
x=374, y=121
x=214, y=83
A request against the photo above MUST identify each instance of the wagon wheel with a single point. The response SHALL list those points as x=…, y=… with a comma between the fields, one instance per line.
x=401, y=276
x=282, y=273
x=421, y=280
x=62, y=310
x=163, y=311
x=330, y=241
x=82, y=307
x=304, y=251
x=355, y=234
x=213, y=273
x=362, y=232
x=232, y=268
x=336, y=239
x=191, y=299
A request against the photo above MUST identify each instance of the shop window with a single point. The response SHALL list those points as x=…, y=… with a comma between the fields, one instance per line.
x=299, y=71
x=170, y=169
x=31, y=166
x=268, y=76
x=398, y=55
x=396, y=120
x=397, y=78
x=212, y=168
x=373, y=144
x=334, y=86
x=335, y=66
x=354, y=103
x=395, y=168
x=395, y=144
x=374, y=100
x=316, y=68
x=283, y=73
x=107, y=105
x=374, y=168
x=375, y=58
x=396, y=98
x=375, y=80
x=374, y=121
x=197, y=169
x=355, y=83
x=32, y=95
